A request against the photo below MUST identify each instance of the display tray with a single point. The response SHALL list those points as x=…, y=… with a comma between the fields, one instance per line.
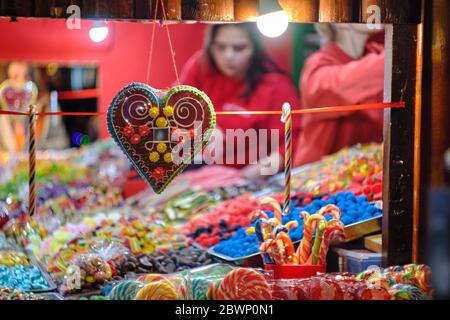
x=352, y=232
x=35, y=262
x=51, y=296
x=48, y=278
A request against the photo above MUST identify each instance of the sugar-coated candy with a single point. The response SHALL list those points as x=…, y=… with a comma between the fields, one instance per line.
x=26, y=278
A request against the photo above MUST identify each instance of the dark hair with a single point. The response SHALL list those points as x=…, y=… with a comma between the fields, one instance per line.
x=260, y=63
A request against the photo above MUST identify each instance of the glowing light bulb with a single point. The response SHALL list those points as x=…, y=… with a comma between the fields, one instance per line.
x=98, y=33
x=273, y=24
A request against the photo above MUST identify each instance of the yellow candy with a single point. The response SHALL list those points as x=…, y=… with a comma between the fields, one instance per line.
x=168, y=111
x=153, y=112
x=161, y=122
x=161, y=147
x=154, y=156
x=168, y=157
x=157, y=290
x=90, y=279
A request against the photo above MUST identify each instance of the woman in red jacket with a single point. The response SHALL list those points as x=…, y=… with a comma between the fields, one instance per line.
x=234, y=71
x=347, y=70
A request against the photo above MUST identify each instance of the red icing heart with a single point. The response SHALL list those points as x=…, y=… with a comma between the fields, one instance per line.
x=146, y=127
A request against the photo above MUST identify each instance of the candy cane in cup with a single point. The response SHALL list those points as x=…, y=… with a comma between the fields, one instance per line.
x=335, y=231
x=275, y=206
x=317, y=242
x=306, y=245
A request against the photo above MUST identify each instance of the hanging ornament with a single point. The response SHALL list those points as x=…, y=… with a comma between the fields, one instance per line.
x=154, y=129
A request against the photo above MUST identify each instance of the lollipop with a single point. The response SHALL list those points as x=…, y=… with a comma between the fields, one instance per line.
x=147, y=278
x=406, y=292
x=244, y=284
x=304, y=249
x=200, y=287
x=211, y=294
x=125, y=290
x=157, y=290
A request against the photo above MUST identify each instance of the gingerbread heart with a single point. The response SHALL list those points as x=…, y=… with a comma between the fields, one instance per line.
x=160, y=132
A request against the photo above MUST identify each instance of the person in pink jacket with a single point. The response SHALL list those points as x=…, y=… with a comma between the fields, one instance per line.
x=347, y=70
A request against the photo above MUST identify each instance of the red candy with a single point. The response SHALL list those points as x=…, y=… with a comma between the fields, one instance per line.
x=135, y=139
x=144, y=130
x=128, y=131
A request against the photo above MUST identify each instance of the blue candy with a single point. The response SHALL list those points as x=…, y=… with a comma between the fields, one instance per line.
x=22, y=278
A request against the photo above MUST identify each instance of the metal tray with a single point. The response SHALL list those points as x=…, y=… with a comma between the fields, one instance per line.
x=352, y=232
x=51, y=296
x=48, y=278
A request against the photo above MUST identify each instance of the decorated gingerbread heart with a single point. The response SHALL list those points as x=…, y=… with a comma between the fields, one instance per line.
x=160, y=132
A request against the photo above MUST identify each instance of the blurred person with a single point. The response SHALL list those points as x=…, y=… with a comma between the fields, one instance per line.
x=16, y=94
x=237, y=75
x=347, y=70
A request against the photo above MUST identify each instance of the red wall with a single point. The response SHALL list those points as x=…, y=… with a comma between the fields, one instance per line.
x=122, y=58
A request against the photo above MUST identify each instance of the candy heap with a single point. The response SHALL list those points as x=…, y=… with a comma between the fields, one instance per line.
x=357, y=169
x=12, y=258
x=8, y=294
x=409, y=282
x=23, y=278
x=222, y=221
x=328, y=287
x=139, y=235
x=276, y=245
x=353, y=209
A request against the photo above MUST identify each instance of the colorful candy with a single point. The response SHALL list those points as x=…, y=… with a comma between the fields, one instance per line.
x=244, y=284
x=125, y=290
x=157, y=290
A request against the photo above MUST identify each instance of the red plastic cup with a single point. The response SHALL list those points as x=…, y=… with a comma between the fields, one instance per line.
x=295, y=271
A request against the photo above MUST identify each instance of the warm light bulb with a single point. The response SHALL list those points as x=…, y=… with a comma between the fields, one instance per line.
x=98, y=34
x=273, y=24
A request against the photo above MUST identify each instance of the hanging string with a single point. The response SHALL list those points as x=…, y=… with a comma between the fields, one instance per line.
x=172, y=52
x=150, y=54
x=390, y=105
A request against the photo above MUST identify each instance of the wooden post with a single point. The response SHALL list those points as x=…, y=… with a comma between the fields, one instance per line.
x=402, y=78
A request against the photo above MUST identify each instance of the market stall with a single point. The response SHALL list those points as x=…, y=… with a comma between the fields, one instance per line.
x=351, y=226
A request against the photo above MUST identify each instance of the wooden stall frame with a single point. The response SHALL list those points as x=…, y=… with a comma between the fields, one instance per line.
x=413, y=32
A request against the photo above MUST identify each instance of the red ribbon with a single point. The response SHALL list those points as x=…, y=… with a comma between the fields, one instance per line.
x=301, y=111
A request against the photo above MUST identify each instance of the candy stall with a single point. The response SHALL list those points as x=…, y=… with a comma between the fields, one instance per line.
x=122, y=218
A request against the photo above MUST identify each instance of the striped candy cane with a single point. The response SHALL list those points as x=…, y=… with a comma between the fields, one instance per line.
x=286, y=118
x=334, y=231
x=32, y=160
x=275, y=206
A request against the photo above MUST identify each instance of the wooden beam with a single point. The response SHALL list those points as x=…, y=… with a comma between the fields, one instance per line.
x=22, y=8
x=396, y=12
x=339, y=10
x=301, y=11
x=208, y=10
x=402, y=72
x=245, y=10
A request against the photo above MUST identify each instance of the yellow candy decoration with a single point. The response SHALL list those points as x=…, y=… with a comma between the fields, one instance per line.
x=161, y=122
x=168, y=157
x=161, y=147
x=154, y=156
x=168, y=111
x=153, y=112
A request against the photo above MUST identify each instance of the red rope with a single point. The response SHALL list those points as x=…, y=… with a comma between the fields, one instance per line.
x=150, y=54
x=170, y=43
x=390, y=105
